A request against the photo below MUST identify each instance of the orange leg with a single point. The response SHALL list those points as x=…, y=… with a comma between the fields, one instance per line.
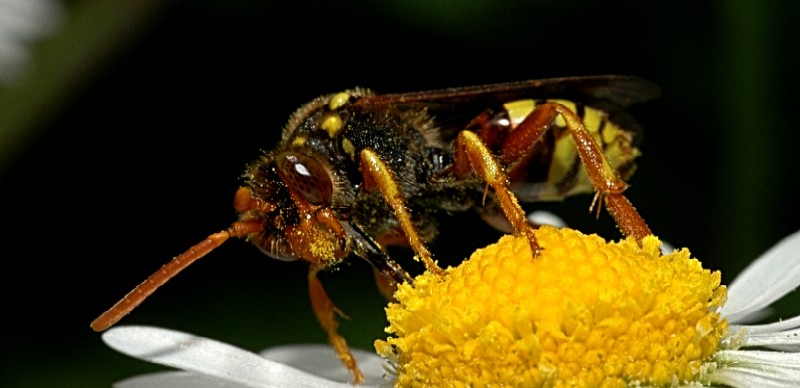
x=377, y=174
x=472, y=155
x=385, y=286
x=326, y=314
x=520, y=142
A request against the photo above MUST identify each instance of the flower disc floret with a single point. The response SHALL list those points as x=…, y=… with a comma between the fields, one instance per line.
x=584, y=312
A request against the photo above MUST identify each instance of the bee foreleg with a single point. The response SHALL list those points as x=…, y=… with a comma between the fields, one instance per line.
x=326, y=314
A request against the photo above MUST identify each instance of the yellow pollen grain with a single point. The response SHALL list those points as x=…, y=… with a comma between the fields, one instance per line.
x=585, y=312
x=332, y=123
x=349, y=148
x=299, y=141
x=322, y=248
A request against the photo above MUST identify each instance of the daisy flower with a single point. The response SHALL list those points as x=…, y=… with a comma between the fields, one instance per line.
x=585, y=312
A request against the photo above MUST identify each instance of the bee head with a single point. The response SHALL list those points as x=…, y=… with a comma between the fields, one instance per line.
x=290, y=194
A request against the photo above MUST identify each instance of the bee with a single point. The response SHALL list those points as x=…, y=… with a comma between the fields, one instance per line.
x=357, y=171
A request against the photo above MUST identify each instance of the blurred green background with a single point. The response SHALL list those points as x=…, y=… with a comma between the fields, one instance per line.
x=123, y=143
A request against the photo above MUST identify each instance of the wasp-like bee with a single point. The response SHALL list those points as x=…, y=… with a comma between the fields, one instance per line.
x=356, y=171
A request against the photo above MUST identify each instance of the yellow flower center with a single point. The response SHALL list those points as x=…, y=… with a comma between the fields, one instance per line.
x=583, y=313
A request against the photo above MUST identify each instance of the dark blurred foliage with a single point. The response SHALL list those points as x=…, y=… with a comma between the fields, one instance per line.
x=141, y=118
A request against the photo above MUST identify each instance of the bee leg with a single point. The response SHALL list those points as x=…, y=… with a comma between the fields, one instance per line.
x=376, y=173
x=519, y=143
x=471, y=154
x=385, y=286
x=492, y=215
x=387, y=273
x=326, y=314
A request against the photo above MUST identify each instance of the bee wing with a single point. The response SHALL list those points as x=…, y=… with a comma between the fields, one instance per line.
x=613, y=89
x=454, y=107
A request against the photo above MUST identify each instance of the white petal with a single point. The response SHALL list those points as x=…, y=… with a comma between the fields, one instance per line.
x=781, y=335
x=748, y=368
x=175, y=380
x=206, y=356
x=541, y=217
x=788, y=340
x=321, y=360
x=764, y=358
x=766, y=280
x=755, y=316
x=666, y=248
x=787, y=324
x=750, y=377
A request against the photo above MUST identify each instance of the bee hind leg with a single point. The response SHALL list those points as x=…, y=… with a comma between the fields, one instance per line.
x=518, y=145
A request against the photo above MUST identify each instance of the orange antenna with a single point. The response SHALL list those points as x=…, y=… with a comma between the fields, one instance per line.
x=169, y=270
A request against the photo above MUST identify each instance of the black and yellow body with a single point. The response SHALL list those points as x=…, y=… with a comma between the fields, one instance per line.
x=414, y=134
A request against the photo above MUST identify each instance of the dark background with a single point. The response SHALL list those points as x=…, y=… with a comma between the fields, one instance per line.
x=126, y=145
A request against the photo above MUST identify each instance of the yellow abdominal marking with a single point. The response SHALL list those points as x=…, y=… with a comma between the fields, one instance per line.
x=519, y=110
x=585, y=312
x=617, y=145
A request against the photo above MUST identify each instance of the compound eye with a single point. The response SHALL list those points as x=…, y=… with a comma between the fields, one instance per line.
x=306, y=176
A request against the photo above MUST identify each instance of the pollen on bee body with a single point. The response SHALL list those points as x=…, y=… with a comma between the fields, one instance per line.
x=323, y=248
x=332, y=123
